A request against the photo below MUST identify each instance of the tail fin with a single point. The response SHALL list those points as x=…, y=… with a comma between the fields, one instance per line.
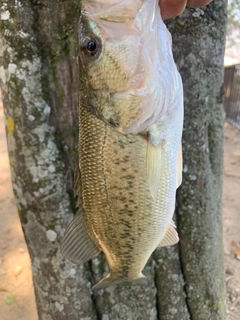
x=111, y=280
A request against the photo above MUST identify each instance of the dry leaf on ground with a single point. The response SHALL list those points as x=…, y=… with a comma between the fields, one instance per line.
x=236, y=252
x=3, y=288
x=17, y=270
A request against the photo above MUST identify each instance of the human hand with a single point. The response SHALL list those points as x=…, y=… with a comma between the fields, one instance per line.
x=172, y=8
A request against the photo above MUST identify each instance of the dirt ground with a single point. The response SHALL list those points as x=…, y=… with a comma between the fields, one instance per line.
x=17, y=300
x=16, y=289
x=231, y=219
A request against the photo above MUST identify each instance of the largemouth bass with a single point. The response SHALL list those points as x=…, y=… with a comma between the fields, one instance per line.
x=130, y=158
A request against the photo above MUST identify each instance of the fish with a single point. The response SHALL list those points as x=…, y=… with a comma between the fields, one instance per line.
x=130, y=128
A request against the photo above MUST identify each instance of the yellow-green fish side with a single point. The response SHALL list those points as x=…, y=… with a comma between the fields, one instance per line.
x=119, y=213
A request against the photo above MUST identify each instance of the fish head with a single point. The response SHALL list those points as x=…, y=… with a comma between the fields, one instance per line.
x=107, y=61
x=126, y=62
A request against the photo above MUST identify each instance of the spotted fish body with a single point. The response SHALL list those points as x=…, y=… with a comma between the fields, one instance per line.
x=130, y=160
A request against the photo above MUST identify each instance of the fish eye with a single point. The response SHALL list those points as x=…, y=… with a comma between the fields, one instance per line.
x=89, y=46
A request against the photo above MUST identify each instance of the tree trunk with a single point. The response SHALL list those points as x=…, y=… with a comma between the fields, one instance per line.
x=39, y=81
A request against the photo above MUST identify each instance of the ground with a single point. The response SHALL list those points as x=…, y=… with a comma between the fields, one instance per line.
x=231, y=219
x=16, y=289
x=17, y=300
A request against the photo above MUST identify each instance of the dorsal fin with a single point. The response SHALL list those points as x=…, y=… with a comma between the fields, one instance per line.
x=77, y=184
x=77, y=246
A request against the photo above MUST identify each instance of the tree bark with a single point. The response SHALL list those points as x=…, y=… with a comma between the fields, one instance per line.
x=39, y=82
x=199, y=37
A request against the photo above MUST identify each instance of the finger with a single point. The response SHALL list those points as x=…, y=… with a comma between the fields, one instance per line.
x=197, y=3
x=172, y=8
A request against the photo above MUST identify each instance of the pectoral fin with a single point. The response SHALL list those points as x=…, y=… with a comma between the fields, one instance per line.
x=77, y=246
x=179, y=165
x=154, y=168
x=171, y=236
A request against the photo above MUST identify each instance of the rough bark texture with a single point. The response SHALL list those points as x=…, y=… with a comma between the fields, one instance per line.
x=39, y=82
x=198, y=48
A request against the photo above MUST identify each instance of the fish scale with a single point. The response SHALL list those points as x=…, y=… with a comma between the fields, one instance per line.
x=123, y=233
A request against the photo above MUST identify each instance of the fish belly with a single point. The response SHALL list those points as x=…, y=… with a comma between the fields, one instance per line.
x=120, y=214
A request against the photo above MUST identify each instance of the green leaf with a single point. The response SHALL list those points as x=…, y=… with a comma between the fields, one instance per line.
x=11, y=298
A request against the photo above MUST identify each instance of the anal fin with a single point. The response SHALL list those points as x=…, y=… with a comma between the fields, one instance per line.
x=77, y=246
x=171, y=236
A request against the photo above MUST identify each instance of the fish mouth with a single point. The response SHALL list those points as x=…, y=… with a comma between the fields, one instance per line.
x=112, y=10
x=118, y=18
